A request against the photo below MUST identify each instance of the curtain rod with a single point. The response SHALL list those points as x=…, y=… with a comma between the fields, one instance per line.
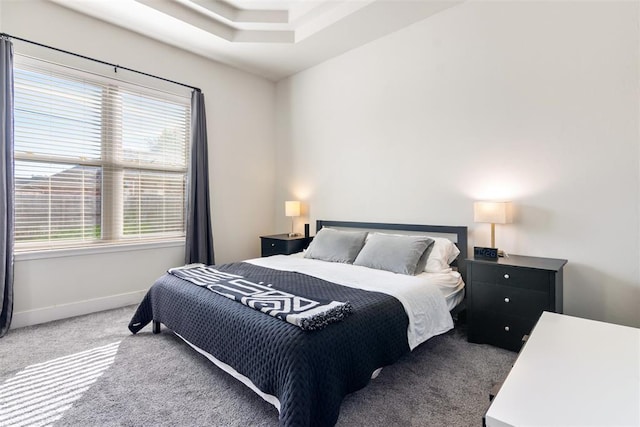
x=115, y=66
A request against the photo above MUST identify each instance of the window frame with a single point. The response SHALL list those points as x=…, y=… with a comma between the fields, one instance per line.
x=112, y=237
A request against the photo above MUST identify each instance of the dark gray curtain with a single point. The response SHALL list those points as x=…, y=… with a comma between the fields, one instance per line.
x=6, y=184
x=199, y=242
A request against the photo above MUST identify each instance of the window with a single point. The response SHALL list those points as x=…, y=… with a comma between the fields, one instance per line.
x=96, y=160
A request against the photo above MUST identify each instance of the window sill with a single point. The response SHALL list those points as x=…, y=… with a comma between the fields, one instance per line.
x=97, y=249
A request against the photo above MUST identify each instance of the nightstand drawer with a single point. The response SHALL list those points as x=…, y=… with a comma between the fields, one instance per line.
x=509, y=300
x=274, y=247
x=283, y=244
x=502, y=330
x=510, y=276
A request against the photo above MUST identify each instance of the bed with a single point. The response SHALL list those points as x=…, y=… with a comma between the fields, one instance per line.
x=305, y=374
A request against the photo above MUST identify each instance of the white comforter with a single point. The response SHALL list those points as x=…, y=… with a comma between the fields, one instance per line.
x=422, y=299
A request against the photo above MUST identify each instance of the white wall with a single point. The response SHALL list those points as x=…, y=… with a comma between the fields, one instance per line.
x=241, y=130
x=535, y=102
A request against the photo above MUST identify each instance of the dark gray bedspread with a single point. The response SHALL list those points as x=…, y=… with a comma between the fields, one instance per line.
x=310, y=372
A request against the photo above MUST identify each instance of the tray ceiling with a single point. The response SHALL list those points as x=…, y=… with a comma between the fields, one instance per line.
x=270, y=38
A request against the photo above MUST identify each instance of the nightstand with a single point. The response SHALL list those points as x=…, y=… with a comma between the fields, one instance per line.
x=282, y=244
x=505, y=298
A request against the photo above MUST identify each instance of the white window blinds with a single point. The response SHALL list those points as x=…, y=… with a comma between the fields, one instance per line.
x=96, y=160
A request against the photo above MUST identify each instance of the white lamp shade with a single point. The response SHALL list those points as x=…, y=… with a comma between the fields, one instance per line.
x=493, y=212
x=292, y=208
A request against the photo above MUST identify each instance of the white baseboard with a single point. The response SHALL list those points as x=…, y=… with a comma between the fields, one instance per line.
x=57, y=312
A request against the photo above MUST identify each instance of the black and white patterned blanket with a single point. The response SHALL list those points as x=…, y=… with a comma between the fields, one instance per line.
x=307, y=313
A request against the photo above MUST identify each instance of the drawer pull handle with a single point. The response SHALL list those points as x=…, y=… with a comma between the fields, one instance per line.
x=506, y=328
x=506, y=276
x=507, y=299
x=273, y=244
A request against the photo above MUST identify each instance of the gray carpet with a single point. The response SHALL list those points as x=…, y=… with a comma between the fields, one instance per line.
x=157, y=380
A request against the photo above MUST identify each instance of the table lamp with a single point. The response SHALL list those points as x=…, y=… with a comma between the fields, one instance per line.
x=493, y=213
x=292, y=209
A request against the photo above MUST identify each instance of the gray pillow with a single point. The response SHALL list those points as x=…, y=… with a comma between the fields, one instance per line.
x=395, y=253
x=336, y=245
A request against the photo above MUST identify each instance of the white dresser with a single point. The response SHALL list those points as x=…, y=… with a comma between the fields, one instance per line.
x=572, y=372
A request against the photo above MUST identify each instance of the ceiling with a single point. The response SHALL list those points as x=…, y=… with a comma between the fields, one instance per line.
x=273, y=39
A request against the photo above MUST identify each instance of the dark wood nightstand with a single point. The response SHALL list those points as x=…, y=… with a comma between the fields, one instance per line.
x=282, y=244
x=505, y=298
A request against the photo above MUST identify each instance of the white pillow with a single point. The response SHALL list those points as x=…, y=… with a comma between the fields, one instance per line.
x=443, y=253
